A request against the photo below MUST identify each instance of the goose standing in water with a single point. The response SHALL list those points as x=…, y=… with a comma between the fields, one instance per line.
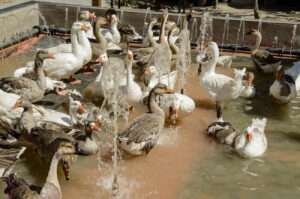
x=253, y=142
x=220, y=87
x=142, y=134
x=131, y=90
x=263, y=59
x=18, y=188
x=287, y=84
x=28, y=89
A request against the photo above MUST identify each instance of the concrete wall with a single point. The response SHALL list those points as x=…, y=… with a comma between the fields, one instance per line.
x=55, y=14
x=17, y=21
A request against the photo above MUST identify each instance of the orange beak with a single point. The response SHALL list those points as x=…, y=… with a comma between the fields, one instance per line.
x=249, y=136
x=50, y=56
x=81, y=109
x=95, y=126
x=92, y=15
x=169, y=91
x=17, y=104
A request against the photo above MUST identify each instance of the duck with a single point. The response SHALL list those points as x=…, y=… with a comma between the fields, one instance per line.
x=9, y=101
x=142, y=134
x=29, y=89
x=18, y=188
x=132, y=90
x=112, y=35
x=248, y=90
x=263, y=59
x=222, y=131
x=85, y=17
x=85, y=142
x=151, y=78
x=220, y=87
x=252, y=142
x=64, y=64
x=175, y=103
x=100, y=47
x=286, y=85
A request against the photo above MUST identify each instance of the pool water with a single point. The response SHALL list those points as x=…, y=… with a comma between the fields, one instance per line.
x=187, y=164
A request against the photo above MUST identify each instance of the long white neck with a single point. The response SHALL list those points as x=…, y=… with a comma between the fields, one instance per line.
x=150, y=34
x=172, y=40
x=210, y=65
x=129, y=73
x=72, y=111
x=100, y=74
x=115, y=32
x=257, y=42
x=52, y=173
x=41, y=79
x=83, y=40
x=163, y=38
x=74, y=43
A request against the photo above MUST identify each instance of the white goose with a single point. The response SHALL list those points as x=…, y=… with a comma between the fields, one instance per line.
x=287, y=84
x=112, y=34
x=64, y=65
x=151, y=78
x=220, y=87
x=9, y=101
x=132, y=90
x=248, y=90
x=253, y=142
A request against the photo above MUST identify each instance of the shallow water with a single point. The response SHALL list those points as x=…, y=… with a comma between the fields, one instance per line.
x=187, y=164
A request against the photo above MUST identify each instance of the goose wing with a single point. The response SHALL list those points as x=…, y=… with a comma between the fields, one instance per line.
x=145, y=128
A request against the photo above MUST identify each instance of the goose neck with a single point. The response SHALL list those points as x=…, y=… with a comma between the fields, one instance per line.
x=153, y=106
x=74, y=42
x=52, y=174
x=258, y=40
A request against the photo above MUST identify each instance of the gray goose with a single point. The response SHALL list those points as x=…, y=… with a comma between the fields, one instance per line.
x=142, y=134
x=28, y=89
x=262, y=59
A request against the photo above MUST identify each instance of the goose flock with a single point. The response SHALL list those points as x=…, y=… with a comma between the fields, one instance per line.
x=147, y=76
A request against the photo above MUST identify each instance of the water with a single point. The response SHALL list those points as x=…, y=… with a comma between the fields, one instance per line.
x=240, y=33
x=66, y=17
x=148, y=10
x=187, y=164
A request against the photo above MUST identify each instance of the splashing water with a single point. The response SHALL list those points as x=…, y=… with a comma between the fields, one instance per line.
x=205, y=33
x=66, y=17
x=183, y=59
x=226, y=29
x=293, y=39
x=121, y=15
x=240, y=32
x=194, y=30
x=275, y=42
x=148, y=11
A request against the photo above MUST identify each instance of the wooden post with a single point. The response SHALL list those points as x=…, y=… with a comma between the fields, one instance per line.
x=98, y=3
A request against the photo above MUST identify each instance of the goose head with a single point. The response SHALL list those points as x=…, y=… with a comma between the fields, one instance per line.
x=256, y=129
x=113, y=20
x=40, y=56
x=254, y=32
x=92, y=127
x=159, y=89
x=211, y=57
x=66, y=154
x=86, y=15
x=283, y=88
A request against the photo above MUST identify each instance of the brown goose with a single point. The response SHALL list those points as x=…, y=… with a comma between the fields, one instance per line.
x=142, y=134
x=18, y=188
x=28, y=89
x=263, y=59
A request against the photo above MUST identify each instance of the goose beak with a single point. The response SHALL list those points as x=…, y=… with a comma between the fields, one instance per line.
x=95, y=126
x=84, y=27
x=249, y=136
x=92, y=15
x=50, y=56
x=18, y=104
x=169, y=91
x=81, y=109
